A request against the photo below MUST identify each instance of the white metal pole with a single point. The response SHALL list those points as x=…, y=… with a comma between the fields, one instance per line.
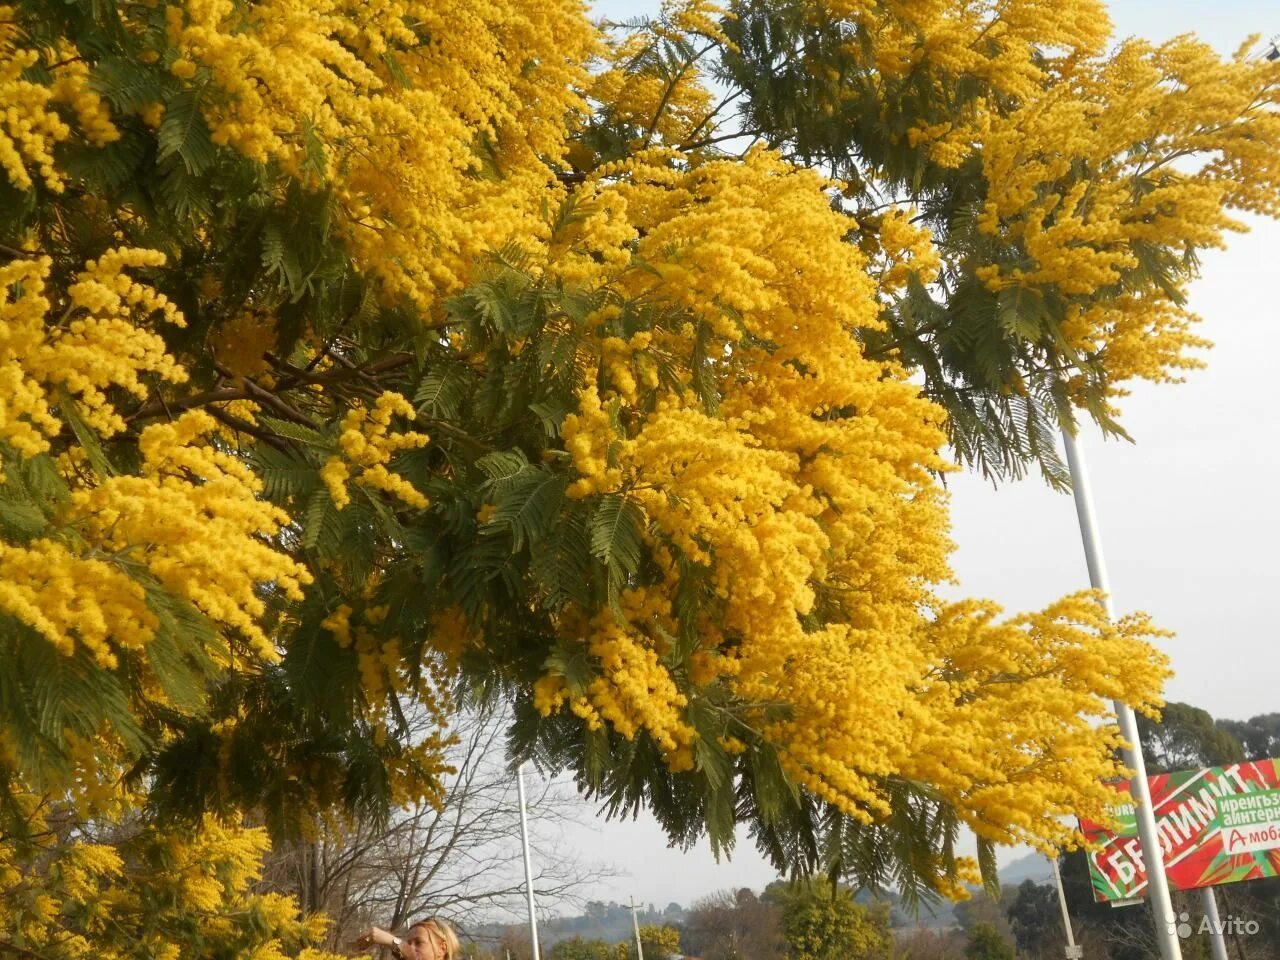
x=1073, y=952
x=635, y=924
x=1217, y=942
x=528, y=864
x=1152, y=855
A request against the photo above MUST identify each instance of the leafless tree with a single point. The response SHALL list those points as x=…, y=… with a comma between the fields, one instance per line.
x=734, y=925
x=923, y=944
x=461, y=860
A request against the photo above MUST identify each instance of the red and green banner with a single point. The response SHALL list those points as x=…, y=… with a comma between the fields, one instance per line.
x=1219, y=825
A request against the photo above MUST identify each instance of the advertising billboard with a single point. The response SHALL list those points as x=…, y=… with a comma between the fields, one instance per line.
x=1219, y=825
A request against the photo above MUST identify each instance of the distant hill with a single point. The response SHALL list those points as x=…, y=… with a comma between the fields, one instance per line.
x=1033, y=866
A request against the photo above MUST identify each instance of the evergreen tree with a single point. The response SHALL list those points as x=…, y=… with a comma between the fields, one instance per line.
x=357, y=361
x=985, y=943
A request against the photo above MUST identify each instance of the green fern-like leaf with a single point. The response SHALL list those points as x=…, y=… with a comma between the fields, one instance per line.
x=440, y=394
x=128, y=85
x=615, y=533
x=184, y=133
x=527, y=508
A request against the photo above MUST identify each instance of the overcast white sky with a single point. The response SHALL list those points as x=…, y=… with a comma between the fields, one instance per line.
x=1189, y=514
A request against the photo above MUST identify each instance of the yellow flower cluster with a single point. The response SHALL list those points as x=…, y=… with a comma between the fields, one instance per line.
x=808, y=496
x=379, y=658
x=908, y=251
x=71, y=86
x=415, y=771
x=1170, y=139
x=100, y=341
x=588, y=437
x=241, y=342
x=25, y=419
x=1013, y=48
x=696, y=17
x=451, y=635
x=368, y=443
x=635, y=692
x=1097, y=165
x=28, y=128
x=1029, y=689
x=436, y=119
x=194, y=519
x=658, y=106
x=84, y=901
x=69, y=599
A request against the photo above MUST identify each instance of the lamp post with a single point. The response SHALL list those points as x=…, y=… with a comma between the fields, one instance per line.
x=528, y=864
x=1073, y=951
x=1152, y=855
x=635, y=925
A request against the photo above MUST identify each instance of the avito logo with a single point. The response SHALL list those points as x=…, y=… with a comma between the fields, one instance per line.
x=1236, y=926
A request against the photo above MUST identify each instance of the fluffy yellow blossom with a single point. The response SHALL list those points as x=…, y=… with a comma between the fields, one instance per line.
x=239, y=344
x=28, y=128
x=71, y=86
x=367, y=442
x=908, y=249
x=807, y=497
x=73, y=601
x=101, y=341
x=635, y=691
x=410, y=130
x=643, y=96
x=1145, y=194
x=588, y=437
x=193, y=519
x=79, y=898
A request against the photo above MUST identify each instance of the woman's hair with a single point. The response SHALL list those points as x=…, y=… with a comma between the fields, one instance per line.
x=443, y=935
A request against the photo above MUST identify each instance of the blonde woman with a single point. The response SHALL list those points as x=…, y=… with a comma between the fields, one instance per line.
x=429, y=939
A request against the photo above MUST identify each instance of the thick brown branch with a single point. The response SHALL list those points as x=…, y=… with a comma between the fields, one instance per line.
x=294, y=376
x=244, y=426
x=7, y=947
x=264, y=396
x=248, y=390
x=160, y=408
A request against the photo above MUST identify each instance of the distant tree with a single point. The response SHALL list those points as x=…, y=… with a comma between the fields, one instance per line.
x=986, y=943
x=576, y=948
x=659, y=942
x=1186, y=738
x=980, y=908
x=924, y=944
x=734, y=926
x=822, y=923
x=514, y=945
x=1035, y=920
x=1260, y=735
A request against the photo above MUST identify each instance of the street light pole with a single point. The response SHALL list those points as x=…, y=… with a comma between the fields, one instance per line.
x=1073, y=952
x=1217, y=940
x=528, y=864
x=1152, y=855
x=635, y=925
